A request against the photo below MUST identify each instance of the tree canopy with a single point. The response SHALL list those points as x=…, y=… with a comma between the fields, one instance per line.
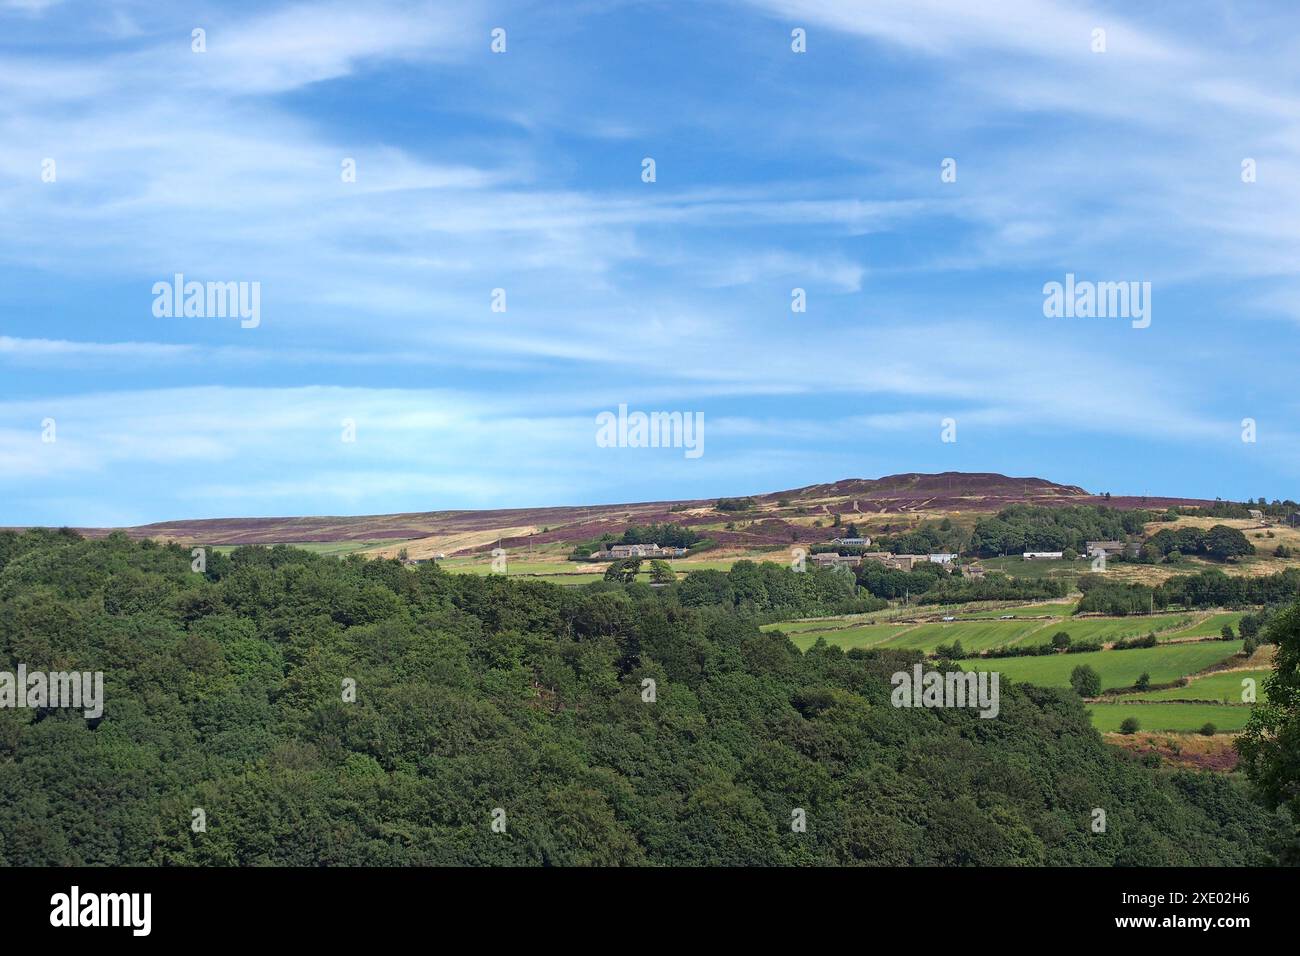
x=347, y=712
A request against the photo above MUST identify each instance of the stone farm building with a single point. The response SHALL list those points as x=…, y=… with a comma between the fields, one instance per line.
x=905, y=562
x=827, y=560
x=1113, y=549
x=617, y=551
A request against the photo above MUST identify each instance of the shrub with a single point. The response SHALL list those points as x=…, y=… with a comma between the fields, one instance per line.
x=1085, y=681
x=1130, y=726
x=1128, y=643
x=736, y=504
x=1209, y=730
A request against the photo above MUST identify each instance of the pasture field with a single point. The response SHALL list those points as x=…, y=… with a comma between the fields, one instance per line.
x=868, y=635
x=1116, y=668
x=717, y=564
x=1219, y=687
x=572, y=580
x=571, y=572
x=1115, y=628
x=553, y=572
x=989, y=631
x=482, y=564
x=819, y=623
x=1018, y=567
x=974, y=635
x=914, y=611
x=1211, y=626
x=1134, y=572
x=1050, y=609
x=1185, y=718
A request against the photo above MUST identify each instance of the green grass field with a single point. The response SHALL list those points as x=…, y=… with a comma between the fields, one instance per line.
x=1116, y=668
x=820, y=623
x=483, y=565
x=849, y=637
x=1113, y=628
x=912, y=611
x=570, y=580
x=1186, y=718
x=1020, y=568
x=974, y=635
x=1051, y=609
x=568, y=572
x=724, y=564
x=1213, y=687
x=553, y=572
x=1029, y=626
x=1212, y=626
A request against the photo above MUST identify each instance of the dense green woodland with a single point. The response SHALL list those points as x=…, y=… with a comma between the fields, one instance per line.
x=930, y=583
x=1019, y=528
x=1208, y=588
x=224, y=692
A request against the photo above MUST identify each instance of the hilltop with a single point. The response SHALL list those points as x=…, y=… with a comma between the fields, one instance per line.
x=776, y=518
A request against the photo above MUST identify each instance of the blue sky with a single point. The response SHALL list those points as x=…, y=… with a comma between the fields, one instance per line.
x=522, y=171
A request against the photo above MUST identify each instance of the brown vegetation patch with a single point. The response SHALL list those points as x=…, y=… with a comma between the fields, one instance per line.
x=1188, y=751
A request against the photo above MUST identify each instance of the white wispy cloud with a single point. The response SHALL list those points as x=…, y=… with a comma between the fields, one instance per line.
x=923, y=298
x=1040, y=29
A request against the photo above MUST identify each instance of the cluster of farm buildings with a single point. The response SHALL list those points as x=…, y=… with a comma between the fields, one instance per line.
x=1111, y=549
x=901, y=562
x=905, y=562
x=617, y=552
